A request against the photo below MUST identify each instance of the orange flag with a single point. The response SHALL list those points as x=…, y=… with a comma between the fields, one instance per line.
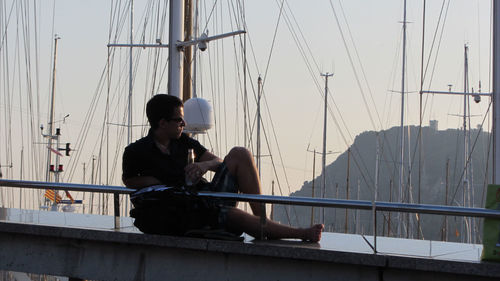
x=51, y=195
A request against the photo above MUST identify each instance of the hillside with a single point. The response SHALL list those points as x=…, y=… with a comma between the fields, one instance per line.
x=439, y=148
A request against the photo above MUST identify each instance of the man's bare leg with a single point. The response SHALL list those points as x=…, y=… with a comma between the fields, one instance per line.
x=240, y=164
x=238, y=220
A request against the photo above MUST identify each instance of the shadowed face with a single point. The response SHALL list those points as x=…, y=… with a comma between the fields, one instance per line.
x=174, y=125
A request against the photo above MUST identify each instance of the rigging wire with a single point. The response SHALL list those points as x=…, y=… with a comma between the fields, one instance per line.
x=392, y=162
x=119, y=26
x=470, y=200
x=5, y=64
x=304, y=40
x=469, y=156
x=282, y=163
x=438, y=48
x=210, y=15
x=7, y=22
x=338, y=125
x=353, y=67
x=238, y=23
x=270, y=119
x=254, y=61
x=479, y=44
x=295, y=36
x=434, y=65
x=25, y=32
x=320, y=90
x=332, y=7
x=358, y=164
x=272, y=44
x=269, y=147
x=223, y=91
x=36, y=154
x=237, y=66
x=223, y=76
x=419, y=136
x=254, y=92
x=215, y=100
x=365, y=79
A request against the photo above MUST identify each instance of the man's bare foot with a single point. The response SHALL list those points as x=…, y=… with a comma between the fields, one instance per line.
x=313, y=233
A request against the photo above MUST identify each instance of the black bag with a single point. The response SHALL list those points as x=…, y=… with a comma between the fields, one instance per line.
x=172, y=211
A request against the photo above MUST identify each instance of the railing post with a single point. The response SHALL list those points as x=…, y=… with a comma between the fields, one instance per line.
x=262, y=220
x=374, y=210
x=116, y=199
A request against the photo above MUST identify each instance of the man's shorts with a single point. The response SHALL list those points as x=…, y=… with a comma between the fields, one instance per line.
x=223, y=181
x=175, y=213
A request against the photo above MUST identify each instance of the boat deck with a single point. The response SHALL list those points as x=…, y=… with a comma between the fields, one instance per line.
x=81, y=246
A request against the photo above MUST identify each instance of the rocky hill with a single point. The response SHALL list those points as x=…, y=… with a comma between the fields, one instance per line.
x=440, y=149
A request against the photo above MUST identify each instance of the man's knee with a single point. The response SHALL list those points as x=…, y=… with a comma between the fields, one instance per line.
x=236, y=157
x=238, y=154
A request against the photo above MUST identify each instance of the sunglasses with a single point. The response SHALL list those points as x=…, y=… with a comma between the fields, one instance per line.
x=177, y=120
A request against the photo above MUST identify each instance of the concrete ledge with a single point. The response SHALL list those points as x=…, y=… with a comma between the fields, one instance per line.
x=110, y=255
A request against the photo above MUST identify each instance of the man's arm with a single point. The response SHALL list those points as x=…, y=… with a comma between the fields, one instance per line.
x=207, y=162
x=140, y=182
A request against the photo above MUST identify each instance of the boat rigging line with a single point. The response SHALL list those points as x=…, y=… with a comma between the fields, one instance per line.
x=272, y=43
x=358, y=81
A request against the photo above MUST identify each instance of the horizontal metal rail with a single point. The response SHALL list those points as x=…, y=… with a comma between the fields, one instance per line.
x=359, y=204
x=285, y=200
x=66, y=186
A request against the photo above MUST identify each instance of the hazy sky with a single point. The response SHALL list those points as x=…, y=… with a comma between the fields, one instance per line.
x=365, y=59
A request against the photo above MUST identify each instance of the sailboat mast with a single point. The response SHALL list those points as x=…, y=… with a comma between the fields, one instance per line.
x=466, y=151
x=466, y=89
x=401, y=141
x=195, y=48
x=421, y=118
x=51, y=113
x=374, y=200
x=496, y=92
x=445, y=230
x=176, y=33
x=129, y=127
x=347, y=187
x=312, y=187
x=188, y=51
x=259, y=96
x=245, y=93
x=323, y=160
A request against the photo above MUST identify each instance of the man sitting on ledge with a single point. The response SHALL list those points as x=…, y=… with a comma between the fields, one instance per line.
x=161, y=158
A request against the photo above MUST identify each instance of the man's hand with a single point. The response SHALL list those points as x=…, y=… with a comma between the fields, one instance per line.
x=207, y=162
x=195, y=171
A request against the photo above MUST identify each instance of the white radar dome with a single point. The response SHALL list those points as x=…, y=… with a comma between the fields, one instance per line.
x=198, y=114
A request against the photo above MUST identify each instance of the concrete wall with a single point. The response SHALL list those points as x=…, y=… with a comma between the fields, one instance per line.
x=108, y=255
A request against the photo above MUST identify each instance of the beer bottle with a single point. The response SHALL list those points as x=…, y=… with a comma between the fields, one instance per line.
x=190, y=160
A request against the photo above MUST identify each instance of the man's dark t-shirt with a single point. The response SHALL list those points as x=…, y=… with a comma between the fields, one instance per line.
x=167, y=213
x=144, y=158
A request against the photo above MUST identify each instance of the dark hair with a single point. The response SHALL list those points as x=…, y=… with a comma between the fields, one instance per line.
x=161, y=106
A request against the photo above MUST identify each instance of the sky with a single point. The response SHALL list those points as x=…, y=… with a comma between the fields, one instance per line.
x=360, y=42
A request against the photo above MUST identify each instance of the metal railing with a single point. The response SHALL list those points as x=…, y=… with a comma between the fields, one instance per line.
x=374, y=206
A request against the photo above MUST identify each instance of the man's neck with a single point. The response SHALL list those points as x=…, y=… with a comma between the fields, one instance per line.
x=162, y=142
